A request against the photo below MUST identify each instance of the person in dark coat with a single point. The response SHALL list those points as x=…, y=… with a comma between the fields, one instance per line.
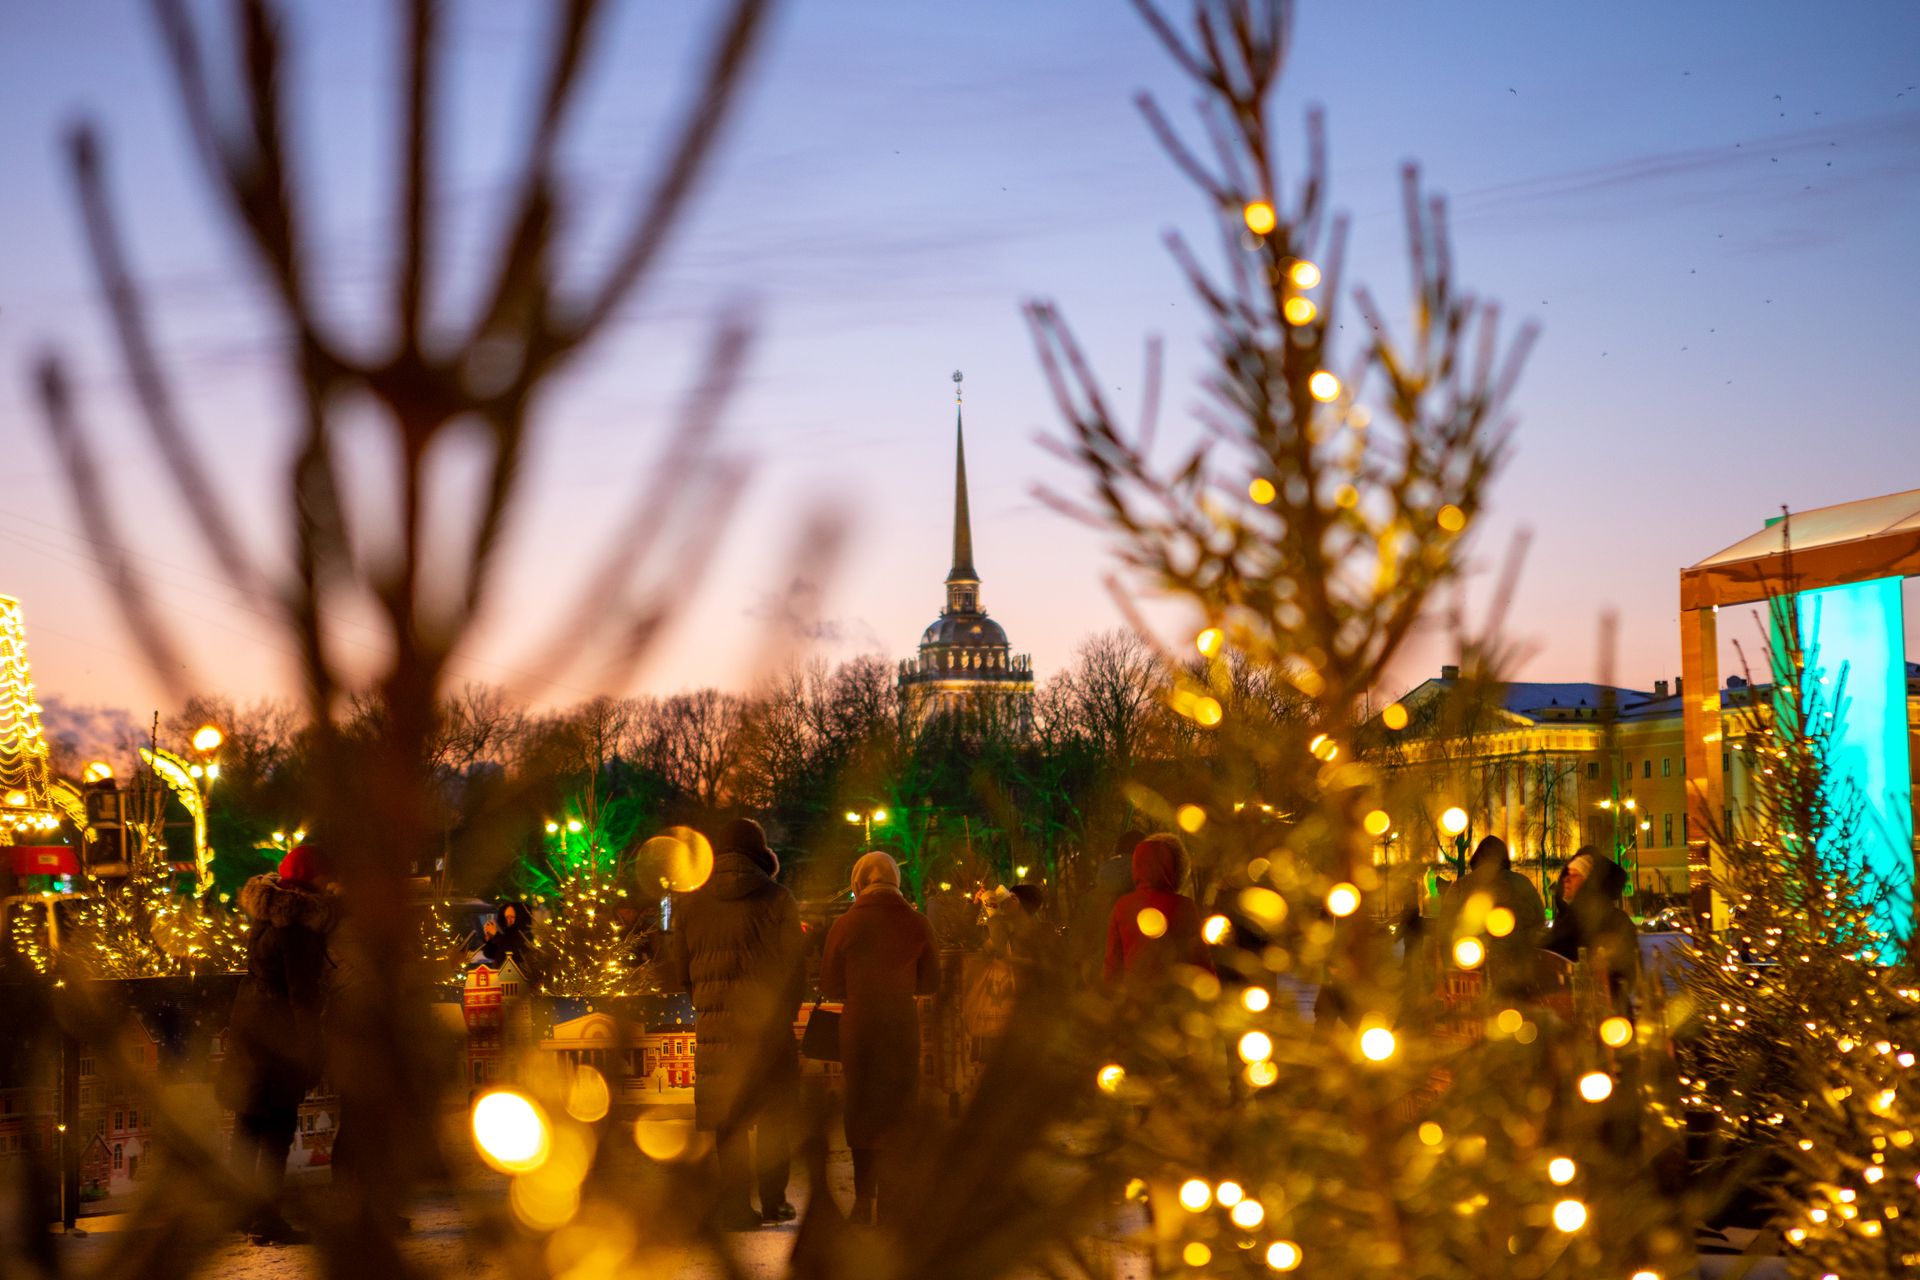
x=1490, y=872
x=1590, y=920
x=1172, y=936
x=275, y=1042
x=879, y=955
x=736, y=946
x=509, y=933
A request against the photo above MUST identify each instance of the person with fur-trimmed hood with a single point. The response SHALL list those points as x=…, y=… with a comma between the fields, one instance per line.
x=275, y=1045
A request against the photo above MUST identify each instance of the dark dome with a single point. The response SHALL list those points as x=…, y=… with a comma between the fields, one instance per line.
x=966, y=631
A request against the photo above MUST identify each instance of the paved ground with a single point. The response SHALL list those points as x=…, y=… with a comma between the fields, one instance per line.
x=440, y=1238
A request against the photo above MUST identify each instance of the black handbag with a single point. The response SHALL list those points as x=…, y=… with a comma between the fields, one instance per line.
x=821, y=1040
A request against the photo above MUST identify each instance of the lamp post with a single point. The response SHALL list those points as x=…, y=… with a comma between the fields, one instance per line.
x=864, y=819
x=1455, y=823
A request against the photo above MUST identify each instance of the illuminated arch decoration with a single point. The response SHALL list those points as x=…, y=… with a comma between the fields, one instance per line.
x=1842, y=566
x=26, y=779
x=179, y=777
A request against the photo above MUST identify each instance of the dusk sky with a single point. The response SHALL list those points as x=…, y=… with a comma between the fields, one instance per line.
x=1713, y=210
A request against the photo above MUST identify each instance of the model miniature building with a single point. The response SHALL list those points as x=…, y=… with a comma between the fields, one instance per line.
x=648, y=1062
x=499, y=1018
x=964, y=656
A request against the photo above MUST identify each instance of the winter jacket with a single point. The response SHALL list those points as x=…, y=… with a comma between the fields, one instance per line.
x=1156, y=884
x=1593, y=923
x=275, y=1042
x=1510, y=966
x=879, y=955
x=515, y=940
x=736, y=947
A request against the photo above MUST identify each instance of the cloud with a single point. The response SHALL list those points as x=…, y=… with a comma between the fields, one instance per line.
x=80, y=732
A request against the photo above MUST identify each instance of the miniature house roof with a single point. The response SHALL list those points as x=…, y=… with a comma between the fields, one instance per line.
x=1824, y=547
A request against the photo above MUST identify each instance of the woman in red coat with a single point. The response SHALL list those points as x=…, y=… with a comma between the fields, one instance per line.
x=879, y=955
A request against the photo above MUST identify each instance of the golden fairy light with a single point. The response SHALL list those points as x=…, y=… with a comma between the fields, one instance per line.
x=1596, y=1086
x=1111, y=1077
x=1229, y=1193
x=1248, y=1214
x=1453, y=820
x=1196, y=1254
x=1616, y=1032
x=1377, y=1044
x=1377, y=822
x=1343, y=899
x=1469, y=952
x=1452, y=519
x=1256, y=1046
x=1394, y=717
x=1256, y=999
x=1500, y=922
x=1283, y=1255
x=1304, y=274
x=1190, y=818
x=1195, y=1195
x=1260, y=217
x=1261, y=490
x=1215, y=929
x=1299, y=311
x=1561, y=1171
x=1151, y=921
x=1208, y=642
x=1324, y=386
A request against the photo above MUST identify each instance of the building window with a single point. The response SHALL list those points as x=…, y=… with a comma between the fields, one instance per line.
x=119, y=1156
x=1666, y=766
x=1666, y=825
x=86, y=1066
x=1683, y=828
x=133, y=1117
x=119, y=1121
x=1593, y=770
x=1646, y=768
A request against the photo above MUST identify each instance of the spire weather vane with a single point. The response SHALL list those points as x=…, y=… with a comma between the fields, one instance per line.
x=957, y=377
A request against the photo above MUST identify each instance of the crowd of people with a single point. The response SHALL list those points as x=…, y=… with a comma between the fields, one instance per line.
x=738, y=949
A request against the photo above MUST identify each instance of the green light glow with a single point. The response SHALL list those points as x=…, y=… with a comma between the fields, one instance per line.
x=1853, y=637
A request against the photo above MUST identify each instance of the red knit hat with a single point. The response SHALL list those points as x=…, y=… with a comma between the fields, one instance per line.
x=305, y=864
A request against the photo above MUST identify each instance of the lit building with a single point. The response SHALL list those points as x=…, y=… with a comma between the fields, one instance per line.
x=1554, y=766
x=965, y=661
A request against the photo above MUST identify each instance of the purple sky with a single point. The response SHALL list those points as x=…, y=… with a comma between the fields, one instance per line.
x=1709, y=207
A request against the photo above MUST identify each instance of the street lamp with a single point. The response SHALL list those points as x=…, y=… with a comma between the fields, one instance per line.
x=1454, y=822
x=864, y=819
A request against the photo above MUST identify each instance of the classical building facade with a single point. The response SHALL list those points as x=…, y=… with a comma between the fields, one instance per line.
x=965, y=659
x=1555, y=766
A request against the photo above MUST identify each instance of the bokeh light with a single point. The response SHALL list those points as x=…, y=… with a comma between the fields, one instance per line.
x=1394, y=717
x=1256, y=1046
x=1151, y=921
x=1248, y=1214
x=1377, y=1044
x=1304, y=274
x=1469, y=952
x=1260, y=217
x=511, y=1132
x=1324, y=386
x=1596, y=1086
x=1377, y=822
x=1111, y=1077
x=588, y=1096
x=1195, y=1195
x=1561, y=1171
x=1299, y=311
x=1570, y=1215
x=1229, y=1193
x=1500, y=922
x=1283, y=1255
x=1343, y=899
x=1215, y=929
x=1261, y=490
x=1616, y=1031
x=1256, y=999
